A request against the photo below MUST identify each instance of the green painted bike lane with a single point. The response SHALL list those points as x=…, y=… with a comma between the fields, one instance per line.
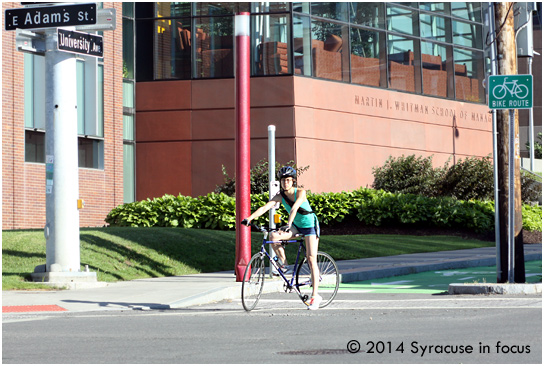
x=433, y=282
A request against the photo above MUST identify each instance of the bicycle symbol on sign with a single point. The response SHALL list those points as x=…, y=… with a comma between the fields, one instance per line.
x=512, y=87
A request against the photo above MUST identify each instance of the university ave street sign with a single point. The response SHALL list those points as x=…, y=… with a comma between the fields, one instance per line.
x=510, y=91
x=82, y=43
x=50, y=16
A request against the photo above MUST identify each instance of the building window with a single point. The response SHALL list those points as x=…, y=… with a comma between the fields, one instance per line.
x=34, y=146
x=129, y=93
x=328, y=41
x=214, y=47
x=368, y=14
x=271, y=41
x=408, y=47
x=403, y=57
x=436, y=71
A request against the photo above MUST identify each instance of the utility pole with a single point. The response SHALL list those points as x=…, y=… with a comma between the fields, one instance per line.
x=507, y=65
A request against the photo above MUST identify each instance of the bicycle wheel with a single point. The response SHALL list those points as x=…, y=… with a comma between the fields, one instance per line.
x=521, y=91
x=253, y=283
x=499, y=91
x=329, y=278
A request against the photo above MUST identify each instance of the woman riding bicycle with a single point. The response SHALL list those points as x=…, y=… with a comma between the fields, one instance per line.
x=301, y=221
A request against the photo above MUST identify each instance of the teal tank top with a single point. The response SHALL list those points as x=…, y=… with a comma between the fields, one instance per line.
x=303, y=221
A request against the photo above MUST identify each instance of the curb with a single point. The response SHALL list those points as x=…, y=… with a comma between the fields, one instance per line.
x=495, y=288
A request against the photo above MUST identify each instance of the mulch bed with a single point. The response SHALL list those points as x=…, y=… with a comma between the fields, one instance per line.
x=355, y=227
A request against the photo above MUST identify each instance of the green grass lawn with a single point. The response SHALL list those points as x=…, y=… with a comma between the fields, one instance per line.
x=122, y=254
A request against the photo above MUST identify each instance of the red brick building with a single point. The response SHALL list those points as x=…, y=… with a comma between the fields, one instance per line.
x=23, y=182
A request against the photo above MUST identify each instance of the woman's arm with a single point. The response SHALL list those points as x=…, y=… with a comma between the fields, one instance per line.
x=261, y=210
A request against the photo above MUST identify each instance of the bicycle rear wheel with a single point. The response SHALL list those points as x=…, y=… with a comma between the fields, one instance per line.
x=329, y=278
x=252, y=286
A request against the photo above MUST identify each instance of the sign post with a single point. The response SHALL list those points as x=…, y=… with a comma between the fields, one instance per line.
x=511, y=92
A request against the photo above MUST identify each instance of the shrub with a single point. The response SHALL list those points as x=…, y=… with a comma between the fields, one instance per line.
x=371, y=207
x=258, y=177
x=468, y=179
x=408, y=174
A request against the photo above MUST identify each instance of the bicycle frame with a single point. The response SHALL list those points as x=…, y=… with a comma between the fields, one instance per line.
x=301, y=248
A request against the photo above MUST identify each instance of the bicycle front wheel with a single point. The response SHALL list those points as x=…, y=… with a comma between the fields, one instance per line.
x=329, y=278
x=253, y=282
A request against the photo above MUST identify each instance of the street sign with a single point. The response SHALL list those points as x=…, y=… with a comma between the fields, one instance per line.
x=105, y=20
x=510, y=91
x=81, y=43
x=50, y=16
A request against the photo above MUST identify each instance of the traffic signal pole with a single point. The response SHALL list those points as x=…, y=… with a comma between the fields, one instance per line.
x=512, y=265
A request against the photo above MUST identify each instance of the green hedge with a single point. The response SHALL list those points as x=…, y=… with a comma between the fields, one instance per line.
x=371, y=207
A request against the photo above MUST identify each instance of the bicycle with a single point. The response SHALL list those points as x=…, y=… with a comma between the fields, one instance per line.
x=300, y=282
x=518, y=91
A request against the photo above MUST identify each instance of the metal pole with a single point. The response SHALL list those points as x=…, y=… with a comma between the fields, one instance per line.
x=62, y=185
x=273, y=186
x=531, y=124
x=243, y=184
x=511, y=198
x=493, y=57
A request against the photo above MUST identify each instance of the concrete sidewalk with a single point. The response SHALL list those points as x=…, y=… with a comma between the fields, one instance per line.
x=192, y=290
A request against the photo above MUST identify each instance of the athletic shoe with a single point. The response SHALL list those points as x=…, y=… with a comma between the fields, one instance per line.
x=314, y=302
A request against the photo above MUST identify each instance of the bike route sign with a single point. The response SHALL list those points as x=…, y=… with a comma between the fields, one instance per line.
x=510, y=91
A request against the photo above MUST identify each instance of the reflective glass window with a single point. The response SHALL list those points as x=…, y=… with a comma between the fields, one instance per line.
x=401, y=56
x=172, y=49
x=301, y=7
x=469, y=11
x=90, y=153
x=368, y=65
x=226, y=8
x=337, y=11
x=435, y=27
x=129, y=191
x=402, y=20
x=469, y=73
x=328, y=59
x=34, y=146
x=214, y=43
x=466, y=34
x=302, y=45
x=267, y=7
x=368, y=14
x=270, y=44
x=436, y=70
x=128, y=48
x=174, y=9
x=435, y=7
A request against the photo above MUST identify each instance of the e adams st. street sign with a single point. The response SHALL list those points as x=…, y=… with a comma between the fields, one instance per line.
x=50, y=16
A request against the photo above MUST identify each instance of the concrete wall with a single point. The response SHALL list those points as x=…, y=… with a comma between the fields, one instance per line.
x=186, y=129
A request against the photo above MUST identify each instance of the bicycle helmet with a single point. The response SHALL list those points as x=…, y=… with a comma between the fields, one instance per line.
x=287, y=171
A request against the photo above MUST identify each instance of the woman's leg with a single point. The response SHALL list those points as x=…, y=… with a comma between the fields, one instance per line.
x=278, y=248
x=312, y=242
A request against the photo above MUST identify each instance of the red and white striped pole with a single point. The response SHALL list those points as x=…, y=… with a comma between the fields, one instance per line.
x=243, y=185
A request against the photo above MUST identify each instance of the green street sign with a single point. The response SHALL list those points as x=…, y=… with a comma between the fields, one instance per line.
x=510, y=91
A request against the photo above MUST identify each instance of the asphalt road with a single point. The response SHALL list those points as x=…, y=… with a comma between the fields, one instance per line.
x=377, y=328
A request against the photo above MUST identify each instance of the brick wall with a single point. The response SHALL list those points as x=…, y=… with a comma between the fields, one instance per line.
x=23, y=184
